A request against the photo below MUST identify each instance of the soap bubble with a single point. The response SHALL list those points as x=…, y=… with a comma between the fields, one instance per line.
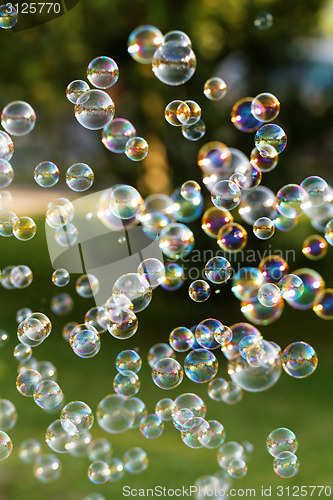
x=260, y=202
x=94, y=109
x=8, y=414
x=259, y=314
x=57, y=217
x=206, y=332
x=228, y=452
x=61, y=435
x=213, y=219
x=99, y=449
x=113, y=414
x=8, y=16
x=218, y=270
x=7, y=221
x=237, y=468
x=215, y=437
x=6, y=146
x=99, y=472
x=47, y=370
x=18, y=118
x=60, y=277
x=176, y=240
x=200, y=366
x=24, y=228
x=265, y=163
x=167, y=373
x=323, y=304
x=6, y=173
x=29, y=451
x=22, y=353
x=194, y=132
x=263, y=21
x=128, y=360
x=143, y=42
x=187, y=210
x=125, y=201
x=61, y=304
x=317, y=190
x=250, y=348
x=81, y=445
x=85, y=342
x=198, y=434
x=116, y=470
x=269, y=295
x=291, y=287
x=247, y=176
x=79, y=413
x=46, y=174
x=135, y=460
x=48, y=395
x=153, y=271
x=6, y=445
x=226, y=194
x=313, y=285
x=270, y=139
x=215, y=88
x=273, y=268
x=181, y=339
x=27, y=381
x=87, y=285
x=199, y=291
x=116, y=134
x=232, y=237
x=299, y=360
x=47, y=468
x=233, y=394
x=66, y=235
x=265, y=107
x=263, y=228
x=164, y=408
x=280, y=440
x=171, y=113
x=291, y=200
x=329, y=232
x=188, y=112
x=216, y=388
x=214, y=157
x=242, y=117
x=174, y=276
x=151, y=426
x=126, y=383
x=190, y=190
x=136, y=148
x=158, y=352
x=174, y=61
x=314, y=247
x=79, y=177
x=246, y=283
x=21, y=276
x=136, y=288
x=286, y=464
x=139, y=409
x=102, y=72
x=186, y=407
x=75, y=90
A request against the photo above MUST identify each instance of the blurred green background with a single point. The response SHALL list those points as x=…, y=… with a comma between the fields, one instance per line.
x=294, y=61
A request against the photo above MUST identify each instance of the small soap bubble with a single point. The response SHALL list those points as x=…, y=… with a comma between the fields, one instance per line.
x=116, y=470
x=213, y=219
x=8, y=414
x=171, y=114
x=226, y=195
x=218, y=270
x=317, y=190
x=79, y=413
x=99, y=472
x=22, y=352
x=280, y=440
x=60, y=277
x=85, y=341
x=27, y=381
x=217, y=388
x=125, y=201
x=199, y=291
x=292, y=200
x=21, y=276
x=79, y=177
x=265, y=163
x=164, y=408
x=299, y=360
x=29, y=451
x=135, y=460
x=176, y=240
x=174, y=277
x=99, y=449
x=237, y=468
x=116, y=134
x=264, y=228
x=232, y=237
x=194, y=132
x=102, y=72
x=270, y=139
x=153, y=271
x=181, y=339
x=323, y=304
x=46, y=174
x=190, y=190
x=94, y=109
x=24, y=228
x=188, y=112
x=291, y=287
x=314, y=247
x=47, y=468
x=6, y=173
x=128, y=360
x=143, y=42
x=18, y=118
x=48, y=395
x=6, y=445
x=136, y=148
x=286, y=464
x=75, y=90
x=242, y=117
x=87, y=285
x=151, y=426
x=6, y=147
x=200, y=366
x=8, y=16
x=61, y=304
x=57, y=217
x=269, y=295
x=215, y=88
x=167, y=373
x=158, y=352
x=126, y=383
x=228, y=452
x=265, y=107
x=113, y=414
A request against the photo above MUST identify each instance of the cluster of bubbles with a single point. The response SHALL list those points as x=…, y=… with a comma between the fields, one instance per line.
x=282, y=445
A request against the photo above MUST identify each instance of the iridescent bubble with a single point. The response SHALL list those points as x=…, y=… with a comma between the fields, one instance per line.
x=186, y=407
x=329, y=232
x=6, y=146
x=270, y=139
x=8, y=414
x=167, y=373
x=213, y=219
x=8, y=16
x=190, y=190
x=299, y=360
x=188, y=112
x=6, y=173
x=6, y=446
x=199, y=291
x=286, y=464
x=232, y=237
x=291, y=287
x=248, y=343
x=151, y=426
x=217, y=388
x=116, y=470
x=218, y=270
x=47, y=370
x=139, y=408
x=94, y=109
x=233, y=394
x=265, y=107
x=116, y=134
x=18, y=118
x=273, y=268
x=176, y=240
x=135, y=460
x=29, y=451
x=187, y=210
x=21, y=276
x=124, y=324
x=174, y=61
x=87, y=285
x=60, y=277
x=61, y=435
x=85, y=342
x=269, y=295
x=22, y=353
x=22, y=314
x=226, y=195
x=57, y=217
x=317, y=190
x=136, y=148
x=200, y=366
x=99, y=449
x=215, y=437
x=27, y=381
x=283, y=223
x=265, y=163
x=61, y=304
x=247, y=176
x=81, y=445
x=257, y=378
x=114, y=415
x=280, y=440
x=125, y=201
x=259, y=314
x=198, y=434
x=242, y=117
x=246, y=283
x=263, y=21
x=79, y=413
x=46, y=174
x=171, y=114
x=99, y=472
x=48, y=395
x=67, y=330
x=206, y=331
x=24, y=228
x=143, y=42
x=215, y=88
x=314, y=247
x=97, y=317
x=153, y=271
x=181, y=339
x=47, y=468
x=174, y=276
x=237, y=468
x=164, y=408
x=126, y=383
x=259, y=202
x=263, y=228
x=158, y=352
x=76, y=89
x=79, y=177
x=136, y=288
x=229, y=451
x=128, y=360
x=102, y=72
x=291, y=200
x=214, y=157
x=223, y=335
x=313, y=285
x=207, y=484
x=194, y=132
x=323, y=304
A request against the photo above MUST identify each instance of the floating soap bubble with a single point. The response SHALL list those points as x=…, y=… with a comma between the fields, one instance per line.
x=200, y=366
x=22, y=314
x=313, y=285
x=259, y=314
x=186, y=407
x=167, y=373
x=299, y=360
x=6, y=445
x=61, y=435
x=257, y=378
x=215, y=437
x=264, y=228
x=291, y=287
x=8, y=414
x=286, y=464
x=60, y=277
x=187, y=210
x=174, y=61
x=246, y=283
x=30, y=364
x=22, y=352
x=242, y=117
x=98, y=318
x=86, y=343
x=174, y=276
x=47, y=370
x=237, y=468
x=260, y=202
x=158, y=352
x=233, y=394
x=265, y=163
x=164, y=408
x=284, y=224
x=265, y=107
x=79, y=413
x=215, y=88
x=143, y=42
x=329, y=232
x=213, y=219
x=113, y=415
x=46, y=174
x=153, y=271
x=223, y=335
x=218, y=270
x=248, y=345
x=24, y=228
x=190, y=190
x=87, y=285
x=128, y=360
x=229, y=451
x=6, y=173
x=323, y=304
x=176, y=240
x=214, y=158
x=79, y=177
x=8, y=16
x=151, y=426
x=94, y=109
x=66, y=205
x=48, y=395
x=61, y=304
x=232, y=237
x=270, y=139
x=29, y=451
x=47, y=468
x=57, y=217
x=116, y=134
x=136, y=148
x=206, y=484
x=124, y=325
x=136, y=288
x=135, y=460
x=269, y=295
x=21, y=276
x=194, y=132
x=18, y=118
x=6, y=146
x=99, y=472
x=116, y=469
x=291, y=200
x=125, y=201
x=317, y=190
x=126, y=383
x=226, y=194
x=181, y=339
x=206, y=331
x=171, y=114
x=99, y=449
x=75, y=90
x=314, y=247
x=27, y=381
x=217, y=388
x=273, y=268
x=280, y=440
x=199, y=291
x=5, y=275
x=102, y=72
x=199, y=433
x=263, y=21
x=139, y=409
x=81, y=445
x=188, y=112
x=247, y=175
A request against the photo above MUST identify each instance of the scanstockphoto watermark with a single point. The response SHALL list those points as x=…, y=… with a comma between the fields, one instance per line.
x=189, y=491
